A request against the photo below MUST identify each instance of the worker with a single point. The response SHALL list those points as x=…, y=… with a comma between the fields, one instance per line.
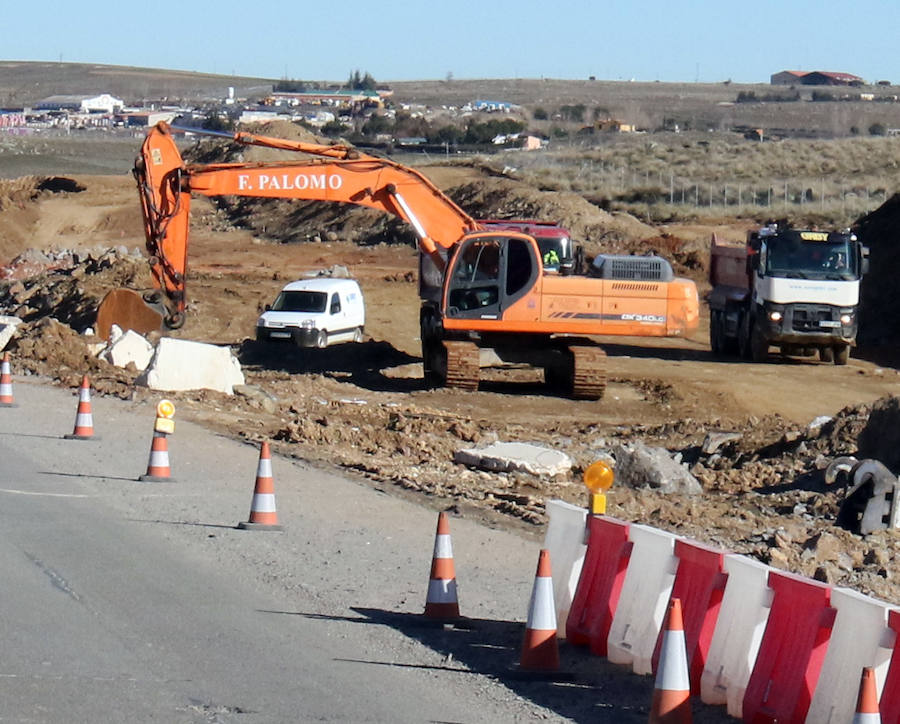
x=551, y=259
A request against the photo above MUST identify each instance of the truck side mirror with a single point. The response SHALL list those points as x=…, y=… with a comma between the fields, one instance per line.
x=752, y=263
x=864, y=262
x=268, y=307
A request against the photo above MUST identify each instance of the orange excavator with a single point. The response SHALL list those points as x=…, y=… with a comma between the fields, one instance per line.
x=485, y=293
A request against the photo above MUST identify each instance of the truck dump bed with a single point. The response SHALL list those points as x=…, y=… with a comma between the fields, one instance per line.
x=728, y=264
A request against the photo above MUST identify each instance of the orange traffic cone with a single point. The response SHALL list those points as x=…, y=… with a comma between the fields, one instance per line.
x=6, y=390
x=84, y=420
x=672, y=692
x=867, y=702
x=263, y=515
x=540, y=650
x=441, y=601
x=158, y=470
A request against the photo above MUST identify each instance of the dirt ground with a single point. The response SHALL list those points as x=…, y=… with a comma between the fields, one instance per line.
x=365, y=409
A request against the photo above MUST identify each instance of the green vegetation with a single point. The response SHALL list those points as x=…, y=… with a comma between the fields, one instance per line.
x=684, y=177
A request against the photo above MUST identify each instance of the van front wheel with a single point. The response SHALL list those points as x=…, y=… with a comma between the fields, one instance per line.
x=322, y=339
x=358, y=334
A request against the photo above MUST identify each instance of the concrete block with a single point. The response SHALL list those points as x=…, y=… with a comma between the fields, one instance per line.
x=507, y=457
x=8, y=326
x=565, y=541
x=129, y=347
x=184, y=365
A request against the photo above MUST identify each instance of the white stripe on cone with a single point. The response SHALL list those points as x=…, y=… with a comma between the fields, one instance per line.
x=84, y=419
x=263, y=503
x=867, y=719
x=441, y=591
x=672, y=674
x=84, y=394
x=542, y=610
x=264, y=469
x=159, y=459
x=442, y=546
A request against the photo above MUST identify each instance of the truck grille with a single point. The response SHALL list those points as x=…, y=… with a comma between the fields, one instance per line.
x=807, y=317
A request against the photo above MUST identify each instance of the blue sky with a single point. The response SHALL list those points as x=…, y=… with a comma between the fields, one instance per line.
x=628, y=39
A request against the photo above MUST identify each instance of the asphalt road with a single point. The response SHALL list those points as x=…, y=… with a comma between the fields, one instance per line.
x=139, y=602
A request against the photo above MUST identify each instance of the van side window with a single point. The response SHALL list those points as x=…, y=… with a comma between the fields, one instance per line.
x=335, y=303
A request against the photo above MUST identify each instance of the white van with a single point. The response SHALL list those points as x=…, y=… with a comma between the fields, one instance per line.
x=315, y=313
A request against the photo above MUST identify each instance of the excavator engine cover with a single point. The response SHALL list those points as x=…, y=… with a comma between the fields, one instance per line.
x=128, y=310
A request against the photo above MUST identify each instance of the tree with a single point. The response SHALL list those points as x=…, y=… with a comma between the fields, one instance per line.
x=539, y=114
x=216, y=122
x=377, y=124
x=356, y=81
x=574, y=113
x=877, y=129
x=333, y=128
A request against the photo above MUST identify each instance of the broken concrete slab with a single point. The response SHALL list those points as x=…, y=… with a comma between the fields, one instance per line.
x=639, y=465
x=180, y=364
x=128, y=347
x=8, y=326
x=714, y=440
x=507, y=457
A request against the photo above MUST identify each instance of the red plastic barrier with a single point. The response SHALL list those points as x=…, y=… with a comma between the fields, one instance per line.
x=890, y=692
x=600, y=583
x=700, y=585
x=791, y=652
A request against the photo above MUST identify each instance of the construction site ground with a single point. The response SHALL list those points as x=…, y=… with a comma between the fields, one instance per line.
x=364, y=408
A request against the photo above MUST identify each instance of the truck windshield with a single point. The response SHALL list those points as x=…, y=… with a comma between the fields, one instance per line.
x=300, y=301
x=798, y=259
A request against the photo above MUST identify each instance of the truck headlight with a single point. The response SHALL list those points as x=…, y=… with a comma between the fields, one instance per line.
x=308, y=324
x=261, y=322
x=846, y=318
x=776, y=316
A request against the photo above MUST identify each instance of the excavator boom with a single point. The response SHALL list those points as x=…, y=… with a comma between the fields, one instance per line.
x=321, y=173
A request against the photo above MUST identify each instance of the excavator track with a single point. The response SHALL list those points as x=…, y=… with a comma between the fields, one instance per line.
x=588, y=373
x=463, y=370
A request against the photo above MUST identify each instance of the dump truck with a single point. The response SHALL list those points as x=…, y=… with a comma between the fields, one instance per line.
x=795, y=289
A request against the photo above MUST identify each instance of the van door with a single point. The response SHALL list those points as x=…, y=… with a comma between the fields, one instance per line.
x=336, y=314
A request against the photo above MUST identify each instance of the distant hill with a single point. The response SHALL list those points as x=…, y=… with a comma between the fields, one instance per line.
x=24, y=83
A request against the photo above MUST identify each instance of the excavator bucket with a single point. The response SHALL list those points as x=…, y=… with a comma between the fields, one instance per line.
x=128, y=310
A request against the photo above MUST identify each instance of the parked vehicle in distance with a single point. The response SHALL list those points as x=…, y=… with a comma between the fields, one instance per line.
x=314, y=313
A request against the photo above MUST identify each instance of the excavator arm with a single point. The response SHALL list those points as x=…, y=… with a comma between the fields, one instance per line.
x=322, y=173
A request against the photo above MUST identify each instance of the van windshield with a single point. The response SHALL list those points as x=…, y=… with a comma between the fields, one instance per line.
x=300, y=301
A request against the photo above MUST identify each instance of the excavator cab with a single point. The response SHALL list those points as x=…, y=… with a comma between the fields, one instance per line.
x=489, y=273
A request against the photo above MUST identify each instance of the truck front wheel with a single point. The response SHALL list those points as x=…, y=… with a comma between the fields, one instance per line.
x=716, y=341
x=826, y=354
x=842, y=354
x=744, y=330
x=759, y=344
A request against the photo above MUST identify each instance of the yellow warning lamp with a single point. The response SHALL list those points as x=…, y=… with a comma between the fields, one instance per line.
x=165, y=411
x=598, y=478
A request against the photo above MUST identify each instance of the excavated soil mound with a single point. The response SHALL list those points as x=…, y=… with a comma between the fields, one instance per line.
x=879, y=312
x=488, y=197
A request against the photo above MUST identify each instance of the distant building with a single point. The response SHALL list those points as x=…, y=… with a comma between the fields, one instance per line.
x=492, y=106
x=821, y=77
x=339, y=98
x=815, y=77
x=788, y=77
x=103, y=103
x=146, y=119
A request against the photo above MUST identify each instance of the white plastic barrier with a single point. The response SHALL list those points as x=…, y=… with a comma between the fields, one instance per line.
x=565, y=541
x=738, y=633
x=642, y=603
x=860, y=637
